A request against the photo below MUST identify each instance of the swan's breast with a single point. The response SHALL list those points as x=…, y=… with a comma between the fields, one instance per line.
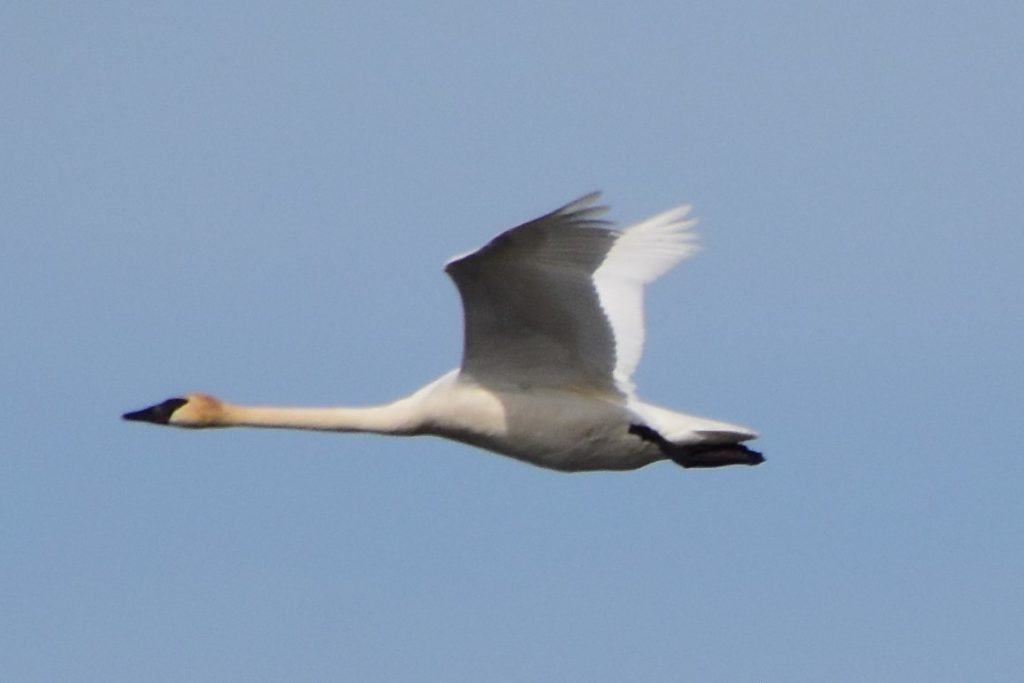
x=559, y=430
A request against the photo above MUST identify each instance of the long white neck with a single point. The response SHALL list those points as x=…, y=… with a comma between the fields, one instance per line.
x=399, y=417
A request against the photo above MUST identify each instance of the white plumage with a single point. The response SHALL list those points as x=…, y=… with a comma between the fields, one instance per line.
x=554, y=329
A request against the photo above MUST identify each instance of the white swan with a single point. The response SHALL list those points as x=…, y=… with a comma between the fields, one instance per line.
x=553, y=331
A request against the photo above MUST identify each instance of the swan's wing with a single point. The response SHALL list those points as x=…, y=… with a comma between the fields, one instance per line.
x=558, y=302
x=642, y=253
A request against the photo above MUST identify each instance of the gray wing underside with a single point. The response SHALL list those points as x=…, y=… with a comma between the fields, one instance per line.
x=532, y=315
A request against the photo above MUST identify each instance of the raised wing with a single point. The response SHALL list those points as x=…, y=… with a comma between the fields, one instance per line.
x=558, y=302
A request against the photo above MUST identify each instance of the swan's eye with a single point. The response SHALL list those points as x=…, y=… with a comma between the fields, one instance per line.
x=172, y=404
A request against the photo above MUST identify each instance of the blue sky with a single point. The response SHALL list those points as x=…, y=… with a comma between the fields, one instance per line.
x=255, y=200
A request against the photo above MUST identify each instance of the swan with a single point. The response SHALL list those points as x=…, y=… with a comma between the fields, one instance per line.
x=553, y=330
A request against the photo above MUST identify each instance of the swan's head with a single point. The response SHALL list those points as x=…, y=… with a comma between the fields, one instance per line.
x=193, y=410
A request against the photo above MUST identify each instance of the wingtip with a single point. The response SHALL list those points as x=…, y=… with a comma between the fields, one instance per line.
x=584, y=212
x=586, y=203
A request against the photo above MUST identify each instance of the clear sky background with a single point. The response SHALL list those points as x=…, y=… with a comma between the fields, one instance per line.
x=256, y=199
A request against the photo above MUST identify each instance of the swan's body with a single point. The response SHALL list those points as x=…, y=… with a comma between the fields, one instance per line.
x=553, y=331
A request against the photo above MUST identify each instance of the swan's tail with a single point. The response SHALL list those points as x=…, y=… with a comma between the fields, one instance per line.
x=720, y=449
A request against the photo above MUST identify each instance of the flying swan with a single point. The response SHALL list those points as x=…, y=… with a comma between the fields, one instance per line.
x=553, y=330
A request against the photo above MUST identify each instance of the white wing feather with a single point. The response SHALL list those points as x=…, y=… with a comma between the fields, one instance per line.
x=642, y=253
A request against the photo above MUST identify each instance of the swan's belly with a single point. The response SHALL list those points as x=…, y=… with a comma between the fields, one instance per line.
x=553, y=429
x=581, y=455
